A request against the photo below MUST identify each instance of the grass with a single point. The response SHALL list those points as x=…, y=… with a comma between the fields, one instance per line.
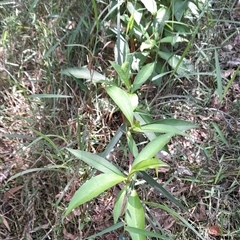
x=38, y=41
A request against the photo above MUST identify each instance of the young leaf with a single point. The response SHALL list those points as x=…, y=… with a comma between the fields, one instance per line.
x=152, y=148
x=135, y=215
x=92, y=188
x=99, y=163
x=122, y=100
x=132, y=145
x=143, y=76
x=149, y=163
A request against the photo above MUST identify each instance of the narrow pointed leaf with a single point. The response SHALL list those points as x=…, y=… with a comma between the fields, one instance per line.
x=146, y=233
x=99, y=163
x=143, y=75
x=149, y=163
x=153, y=147
x=122, y=100
x=177, y=123
x=92, y=188
x=159, y=128
x=84, y=73
x=120, y=204
x=162, y=190
x=135, y=216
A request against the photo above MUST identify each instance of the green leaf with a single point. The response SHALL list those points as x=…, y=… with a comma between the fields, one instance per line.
x=132, y=144
x=150, y=5
x=180, y=8
x=143, y=76
x=122, y=100
x=175, y=214
x=149, y=163
x=123, y=72
x=120, y=204
x=148, y=44
x=181, y=125
x=92, y=188
x=134, y=100
x=159, y=128
x=84, y=73
x=49, y=96
x=134, y=12
x=145, y=233
x=183, y=68
x=153, y=147
x=100, y=163
x=135, y=216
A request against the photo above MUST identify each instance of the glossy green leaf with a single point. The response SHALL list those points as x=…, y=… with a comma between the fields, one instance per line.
x=123, y=73
x=84, y=73
x=137, y=15
x=159, y=128
x=120, y=204
x=134, y=100
x=92, y=188
x=99, y=163
x=135, y=216
x=143, y=75
x=153, y=147
x=122, y=100
x=147, y=45
x=149, y=163
x=150, y=5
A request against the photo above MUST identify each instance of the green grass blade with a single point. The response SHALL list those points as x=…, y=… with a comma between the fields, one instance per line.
x=145, y=233
x=162, y=190
x=219, y=77
x=175, y=214
x=107, y=230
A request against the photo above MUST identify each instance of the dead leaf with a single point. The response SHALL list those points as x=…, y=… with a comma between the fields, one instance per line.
x=214, y=230
x=4, y=221
x=10, y=193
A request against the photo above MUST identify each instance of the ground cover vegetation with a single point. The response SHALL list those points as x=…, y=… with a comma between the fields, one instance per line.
x=119, y=119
